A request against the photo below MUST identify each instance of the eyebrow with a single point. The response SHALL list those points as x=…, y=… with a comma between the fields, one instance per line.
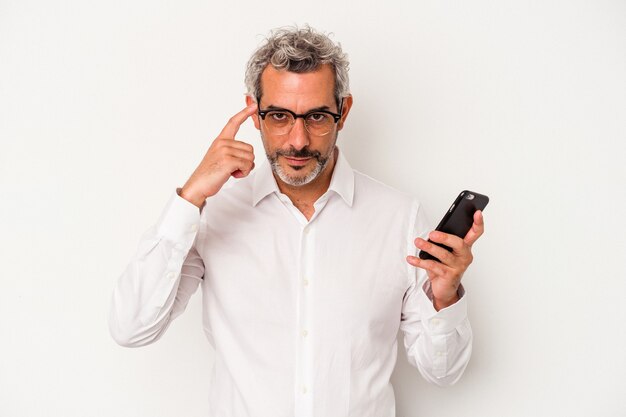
x=272, y=107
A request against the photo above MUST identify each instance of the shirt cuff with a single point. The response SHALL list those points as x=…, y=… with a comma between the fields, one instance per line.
x=180, y=189
x=447, y=319
x=179, y=220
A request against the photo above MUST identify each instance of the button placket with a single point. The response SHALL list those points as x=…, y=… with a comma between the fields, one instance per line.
x=304, y=355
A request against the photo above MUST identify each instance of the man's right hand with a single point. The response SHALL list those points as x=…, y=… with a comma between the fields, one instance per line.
x=226, y=156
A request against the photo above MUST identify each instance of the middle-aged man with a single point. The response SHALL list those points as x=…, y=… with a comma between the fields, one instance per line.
x=302, y=260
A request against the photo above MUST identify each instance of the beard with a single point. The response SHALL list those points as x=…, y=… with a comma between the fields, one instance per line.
x=321, y=161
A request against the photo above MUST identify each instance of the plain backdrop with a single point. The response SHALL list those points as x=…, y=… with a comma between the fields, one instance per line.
x=107, y=107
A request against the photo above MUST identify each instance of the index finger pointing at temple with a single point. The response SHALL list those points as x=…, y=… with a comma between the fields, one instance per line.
x=231, y=128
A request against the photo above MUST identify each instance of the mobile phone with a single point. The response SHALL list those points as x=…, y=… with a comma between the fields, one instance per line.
x=459, y=218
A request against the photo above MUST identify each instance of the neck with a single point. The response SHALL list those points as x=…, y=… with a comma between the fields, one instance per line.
x=309, y=193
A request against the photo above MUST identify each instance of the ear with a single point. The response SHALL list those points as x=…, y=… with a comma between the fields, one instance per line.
x=347, y=104
x=255, y=116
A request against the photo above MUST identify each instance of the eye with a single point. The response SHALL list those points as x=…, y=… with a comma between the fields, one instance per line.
x=317, y=117
x=277, y=116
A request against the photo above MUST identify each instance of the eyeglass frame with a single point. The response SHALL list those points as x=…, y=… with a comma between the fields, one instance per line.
x=336, y=117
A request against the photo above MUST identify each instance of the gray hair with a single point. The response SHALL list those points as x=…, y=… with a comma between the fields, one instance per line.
x=298, y=50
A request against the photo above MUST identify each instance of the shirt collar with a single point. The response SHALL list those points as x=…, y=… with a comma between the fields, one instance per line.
x=264, y=182
x=342, y=181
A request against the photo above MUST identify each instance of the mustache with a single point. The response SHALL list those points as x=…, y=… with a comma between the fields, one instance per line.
x=302, y=153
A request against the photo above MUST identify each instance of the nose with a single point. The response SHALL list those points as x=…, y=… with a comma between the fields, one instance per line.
x=298, y=136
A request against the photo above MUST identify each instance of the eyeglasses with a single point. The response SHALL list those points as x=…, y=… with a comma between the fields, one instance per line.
x=316, y=122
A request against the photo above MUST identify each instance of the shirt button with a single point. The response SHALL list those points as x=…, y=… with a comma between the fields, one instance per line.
x=304, y=389
x=439, y=353
x=307, y=231
x=305, y=282
x=170, y=275
x=304, y=333
x=193, y=227
x=434, y=322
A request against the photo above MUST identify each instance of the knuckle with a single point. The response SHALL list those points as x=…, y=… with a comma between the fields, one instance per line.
x=443, y=254
x=447, y=257
x=435, y=248
x=220, y=142
x=426, y=264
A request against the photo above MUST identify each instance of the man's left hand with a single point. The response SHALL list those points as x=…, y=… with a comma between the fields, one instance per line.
x=445, y=276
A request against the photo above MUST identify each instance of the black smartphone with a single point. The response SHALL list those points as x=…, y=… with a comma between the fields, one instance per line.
x=459, y=218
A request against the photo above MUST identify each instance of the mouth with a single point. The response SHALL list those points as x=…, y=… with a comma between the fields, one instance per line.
x=297, y=161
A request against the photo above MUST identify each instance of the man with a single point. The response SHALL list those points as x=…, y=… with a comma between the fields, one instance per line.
x=302, y=261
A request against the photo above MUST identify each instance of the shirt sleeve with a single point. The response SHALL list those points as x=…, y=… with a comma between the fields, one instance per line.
x=437, y=343
x=160, y=278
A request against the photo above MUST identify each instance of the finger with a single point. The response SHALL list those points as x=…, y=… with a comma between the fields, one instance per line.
x=433, y=268
x=240, y=153
x=240, y=167
x=478, y=228
x=233, y=143
x=240, y=174
x=455, y=242
x=231, y=128
x=444, y=255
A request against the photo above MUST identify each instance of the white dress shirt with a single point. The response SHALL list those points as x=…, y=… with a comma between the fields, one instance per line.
x=303, y=315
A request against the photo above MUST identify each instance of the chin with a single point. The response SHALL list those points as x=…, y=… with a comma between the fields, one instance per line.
x=304, y=177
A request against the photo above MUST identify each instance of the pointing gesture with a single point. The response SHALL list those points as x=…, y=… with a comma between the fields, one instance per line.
x=226, y=156
x=232, y=127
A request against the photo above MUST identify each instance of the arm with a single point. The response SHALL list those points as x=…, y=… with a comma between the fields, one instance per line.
x=159, y=280
x=437, y=342
x=166, y=270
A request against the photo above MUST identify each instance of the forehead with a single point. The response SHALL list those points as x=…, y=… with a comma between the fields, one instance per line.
x=298, y=91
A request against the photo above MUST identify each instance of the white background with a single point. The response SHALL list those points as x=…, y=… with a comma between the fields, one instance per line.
x=106, y=107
